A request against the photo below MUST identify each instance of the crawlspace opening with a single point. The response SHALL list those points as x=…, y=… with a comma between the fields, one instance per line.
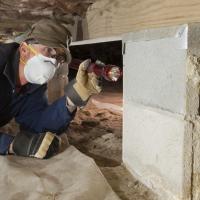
x=97, y=129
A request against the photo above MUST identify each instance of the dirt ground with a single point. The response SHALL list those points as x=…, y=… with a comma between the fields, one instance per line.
x=97, y=132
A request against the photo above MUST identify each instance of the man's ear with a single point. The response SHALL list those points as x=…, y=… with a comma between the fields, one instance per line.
x=24, y=51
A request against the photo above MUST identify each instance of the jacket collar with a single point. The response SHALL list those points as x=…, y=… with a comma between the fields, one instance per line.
x=12, y=66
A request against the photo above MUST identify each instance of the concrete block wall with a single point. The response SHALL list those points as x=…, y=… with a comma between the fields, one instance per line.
x=161, y=103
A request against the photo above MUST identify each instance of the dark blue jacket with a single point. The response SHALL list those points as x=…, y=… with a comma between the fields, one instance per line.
x=29, y=105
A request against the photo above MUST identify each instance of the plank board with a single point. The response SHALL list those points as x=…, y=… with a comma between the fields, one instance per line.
x=108, y=18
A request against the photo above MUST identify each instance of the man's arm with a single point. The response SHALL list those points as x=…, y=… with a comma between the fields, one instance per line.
x=79, y=90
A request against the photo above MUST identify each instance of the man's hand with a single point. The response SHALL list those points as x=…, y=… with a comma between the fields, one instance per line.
x=43, y=145
x=85, y=85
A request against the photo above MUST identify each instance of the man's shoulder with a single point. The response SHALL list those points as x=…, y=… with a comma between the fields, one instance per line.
x=6, y=50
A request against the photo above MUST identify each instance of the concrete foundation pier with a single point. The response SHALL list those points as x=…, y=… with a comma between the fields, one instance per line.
x=161, y=123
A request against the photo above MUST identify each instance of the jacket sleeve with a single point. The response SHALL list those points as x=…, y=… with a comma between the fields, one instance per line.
x=55, y=117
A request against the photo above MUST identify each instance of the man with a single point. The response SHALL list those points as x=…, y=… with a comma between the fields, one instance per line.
x=25, y=69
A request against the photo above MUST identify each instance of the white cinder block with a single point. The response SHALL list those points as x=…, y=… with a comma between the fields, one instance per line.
x=153, y=148
x=155, y=73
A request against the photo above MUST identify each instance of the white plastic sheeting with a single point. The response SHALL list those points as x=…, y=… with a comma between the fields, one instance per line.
x=68, y=176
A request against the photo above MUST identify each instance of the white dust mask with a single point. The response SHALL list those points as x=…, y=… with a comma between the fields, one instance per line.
x=39, y=69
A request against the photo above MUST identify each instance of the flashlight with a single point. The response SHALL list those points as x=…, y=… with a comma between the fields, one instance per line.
x=108, y=72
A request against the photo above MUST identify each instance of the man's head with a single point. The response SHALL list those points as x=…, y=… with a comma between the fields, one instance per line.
x=32, y=47
x=46, y=42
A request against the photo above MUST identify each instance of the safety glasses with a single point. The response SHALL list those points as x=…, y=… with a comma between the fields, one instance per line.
x=58, y=53
x=60, y=56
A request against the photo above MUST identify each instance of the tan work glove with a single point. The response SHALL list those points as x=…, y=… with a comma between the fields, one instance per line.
x=85, y=84
x=43, y=145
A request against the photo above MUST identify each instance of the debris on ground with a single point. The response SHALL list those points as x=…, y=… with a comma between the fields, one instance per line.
x=97, y=132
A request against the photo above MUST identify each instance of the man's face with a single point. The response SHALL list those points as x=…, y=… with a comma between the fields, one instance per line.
x=27, y=51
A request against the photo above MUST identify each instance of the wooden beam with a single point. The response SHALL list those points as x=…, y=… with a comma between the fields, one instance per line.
x=16, y=15
x=108, y=18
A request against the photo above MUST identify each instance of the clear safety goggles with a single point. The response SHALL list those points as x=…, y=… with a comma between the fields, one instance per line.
x=60, y=54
